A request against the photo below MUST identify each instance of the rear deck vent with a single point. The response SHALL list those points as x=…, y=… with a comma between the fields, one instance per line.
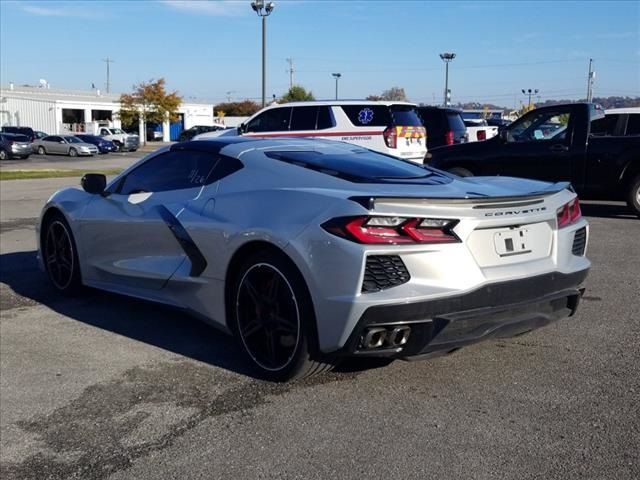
x=579, y=242
x=384, y=271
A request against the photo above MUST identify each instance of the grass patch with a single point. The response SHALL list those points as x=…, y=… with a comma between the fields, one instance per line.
x=47, y=173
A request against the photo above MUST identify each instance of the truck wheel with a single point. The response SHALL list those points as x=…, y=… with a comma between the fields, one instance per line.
x=633, y=195
x=461, y=172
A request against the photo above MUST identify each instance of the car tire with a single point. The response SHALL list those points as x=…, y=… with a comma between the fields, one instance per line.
x=272, y=317
x=60, y=255
x=41, y=151
x=633, y=195
x=461, y=172
x=73, y=152
x=3, y=155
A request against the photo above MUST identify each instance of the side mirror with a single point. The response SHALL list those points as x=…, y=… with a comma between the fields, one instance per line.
x=504, y=135
x=94, y=183
x=242, y=128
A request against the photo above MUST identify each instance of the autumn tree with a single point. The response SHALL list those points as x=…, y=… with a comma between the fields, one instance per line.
x=394, y=94
x=245, y=108
x=297, y=94
x=149, y=102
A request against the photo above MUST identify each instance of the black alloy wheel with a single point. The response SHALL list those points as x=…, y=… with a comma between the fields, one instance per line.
x=59, y=255
x=272, y=317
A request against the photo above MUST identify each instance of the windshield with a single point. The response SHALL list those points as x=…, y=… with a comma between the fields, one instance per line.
x=73, y=139
x=117, y=131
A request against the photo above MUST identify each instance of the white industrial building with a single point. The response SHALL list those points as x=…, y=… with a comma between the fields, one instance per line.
x=56, y=111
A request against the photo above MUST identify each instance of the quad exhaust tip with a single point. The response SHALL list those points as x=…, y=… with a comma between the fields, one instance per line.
x=385, y=337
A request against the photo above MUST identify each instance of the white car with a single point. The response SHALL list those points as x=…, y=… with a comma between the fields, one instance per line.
x=393, y=128
x=310, y=250
x=478, y=130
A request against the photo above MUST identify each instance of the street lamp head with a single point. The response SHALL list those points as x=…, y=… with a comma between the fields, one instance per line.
x=536, y=91
x=447, y=56
x=336, y=75
x=270, y=7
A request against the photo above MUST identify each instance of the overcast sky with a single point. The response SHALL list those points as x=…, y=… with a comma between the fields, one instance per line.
x=212, y=49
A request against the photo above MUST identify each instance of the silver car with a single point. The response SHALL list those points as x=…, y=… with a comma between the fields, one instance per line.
x=63, y=145
x=312, y=250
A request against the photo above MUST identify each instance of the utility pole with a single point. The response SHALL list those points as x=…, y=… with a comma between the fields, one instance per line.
x=337, y=77
x=108, y=61
x=446, y=58
x=530, y=92
x=263, y=10
x=590, y=78
x=290, y=70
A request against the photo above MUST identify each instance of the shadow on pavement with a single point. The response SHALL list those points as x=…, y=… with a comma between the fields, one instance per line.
x=157, y=325
x=607, y=210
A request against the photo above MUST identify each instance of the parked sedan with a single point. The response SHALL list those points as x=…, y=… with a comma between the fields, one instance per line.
x=318, y=250
x=63, y=145
x=103, y=145
x=12, y=146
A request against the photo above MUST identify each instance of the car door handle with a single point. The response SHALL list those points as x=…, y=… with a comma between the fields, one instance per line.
x=557, y=148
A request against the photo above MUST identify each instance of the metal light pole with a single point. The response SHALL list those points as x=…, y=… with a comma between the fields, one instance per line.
x=530, y=92
x=446, y=58
x=337, y=77
x=590, y=78
x=263, y=10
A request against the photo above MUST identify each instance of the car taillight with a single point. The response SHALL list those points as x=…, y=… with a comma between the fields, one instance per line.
x=390, y=137
x=482, y=134
x=569, y=213
x=393, y=230
x=448, y=138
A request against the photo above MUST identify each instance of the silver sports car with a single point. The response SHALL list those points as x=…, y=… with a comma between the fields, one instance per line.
x=310, y=250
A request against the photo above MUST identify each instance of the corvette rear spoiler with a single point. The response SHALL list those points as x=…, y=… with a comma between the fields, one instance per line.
x=479, y=200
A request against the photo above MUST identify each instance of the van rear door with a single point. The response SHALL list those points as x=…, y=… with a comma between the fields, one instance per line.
x=411, y=136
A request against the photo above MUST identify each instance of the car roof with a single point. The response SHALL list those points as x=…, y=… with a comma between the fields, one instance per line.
x=338, y=103
x=622, y=110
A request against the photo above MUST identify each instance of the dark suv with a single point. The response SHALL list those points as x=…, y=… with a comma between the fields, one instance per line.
x=444, y=126
x=26, y=131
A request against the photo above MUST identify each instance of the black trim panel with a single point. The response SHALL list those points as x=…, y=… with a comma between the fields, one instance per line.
x=198, y=262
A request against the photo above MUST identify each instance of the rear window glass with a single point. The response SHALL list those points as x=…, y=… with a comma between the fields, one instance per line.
x=455, y=122
x=361, y=166
x=368, y=115
x=20, y=138
x=604, y=126
x=405, y=116
x=633, y=124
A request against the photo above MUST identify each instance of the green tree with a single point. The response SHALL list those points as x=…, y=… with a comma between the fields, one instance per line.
x=237, y=109
x=297, y=94
x=149, y=102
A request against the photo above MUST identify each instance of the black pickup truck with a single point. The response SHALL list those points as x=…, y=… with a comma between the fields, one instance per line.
x=554, y=144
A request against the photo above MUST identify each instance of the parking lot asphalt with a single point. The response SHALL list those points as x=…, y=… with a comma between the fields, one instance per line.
x=105, y=387
x=63, y=162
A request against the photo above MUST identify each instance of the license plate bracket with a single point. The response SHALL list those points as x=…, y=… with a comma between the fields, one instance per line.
x=512, y=242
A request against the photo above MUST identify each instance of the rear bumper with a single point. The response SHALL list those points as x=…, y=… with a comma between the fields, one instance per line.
x=496, y=310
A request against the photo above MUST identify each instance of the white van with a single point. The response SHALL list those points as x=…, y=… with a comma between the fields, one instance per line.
x=393, y=128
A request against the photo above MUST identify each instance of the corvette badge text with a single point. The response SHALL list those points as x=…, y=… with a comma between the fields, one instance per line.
x=515, y=212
